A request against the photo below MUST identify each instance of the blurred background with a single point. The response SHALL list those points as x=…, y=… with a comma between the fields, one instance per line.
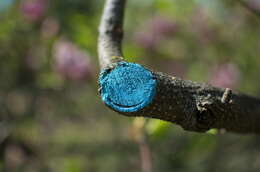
x=52, y=118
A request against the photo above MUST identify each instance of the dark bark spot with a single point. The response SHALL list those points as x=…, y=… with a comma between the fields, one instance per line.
x=204, y=119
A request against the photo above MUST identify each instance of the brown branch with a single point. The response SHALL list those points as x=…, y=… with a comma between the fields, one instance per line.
x=199, y=106
x=111, y=32
x=194, y=106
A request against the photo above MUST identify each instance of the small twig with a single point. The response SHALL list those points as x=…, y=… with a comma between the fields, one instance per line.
x=226, y=96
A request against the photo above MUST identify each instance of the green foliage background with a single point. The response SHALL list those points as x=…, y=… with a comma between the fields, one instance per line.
x=49, y=122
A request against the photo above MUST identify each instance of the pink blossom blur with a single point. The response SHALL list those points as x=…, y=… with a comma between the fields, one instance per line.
x=71, y=62
x=225, y=75
x=254, y=4
x=154, y=30
x=33, y=10
x=50, y=27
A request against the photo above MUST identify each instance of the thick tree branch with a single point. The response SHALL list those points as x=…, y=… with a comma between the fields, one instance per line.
x=133, y=90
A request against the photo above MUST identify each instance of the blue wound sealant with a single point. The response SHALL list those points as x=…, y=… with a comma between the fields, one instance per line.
x=128, y=87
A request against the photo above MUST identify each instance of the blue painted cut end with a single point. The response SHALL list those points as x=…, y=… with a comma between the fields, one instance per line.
x=129, y=87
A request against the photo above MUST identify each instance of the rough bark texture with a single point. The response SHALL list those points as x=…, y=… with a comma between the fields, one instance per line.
x=194, y=106
x=199, y=107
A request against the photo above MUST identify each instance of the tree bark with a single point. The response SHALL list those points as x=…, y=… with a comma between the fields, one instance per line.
x=194, y=106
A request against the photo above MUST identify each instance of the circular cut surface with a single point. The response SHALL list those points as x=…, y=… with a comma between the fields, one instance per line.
x=128, y=87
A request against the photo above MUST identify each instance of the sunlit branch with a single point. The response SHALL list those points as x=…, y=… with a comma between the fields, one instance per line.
x=133, y=90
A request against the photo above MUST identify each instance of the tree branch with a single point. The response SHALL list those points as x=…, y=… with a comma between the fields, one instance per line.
x=133, y=90
x=111, y=32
